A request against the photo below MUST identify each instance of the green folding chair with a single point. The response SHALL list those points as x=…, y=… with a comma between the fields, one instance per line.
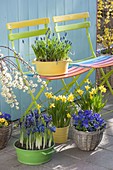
x=27, y=29
x=80, y=21
x=73, y=71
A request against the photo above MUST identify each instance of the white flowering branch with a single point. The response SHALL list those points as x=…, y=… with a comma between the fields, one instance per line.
x=12, y=77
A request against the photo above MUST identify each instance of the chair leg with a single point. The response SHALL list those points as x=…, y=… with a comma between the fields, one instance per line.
x=105, y=77
x=67, y=86
x=34, y=99
x=86, y=77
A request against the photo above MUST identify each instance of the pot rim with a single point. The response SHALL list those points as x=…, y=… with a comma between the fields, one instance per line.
x=51, y=147
x=89, y=133
x=37, y=61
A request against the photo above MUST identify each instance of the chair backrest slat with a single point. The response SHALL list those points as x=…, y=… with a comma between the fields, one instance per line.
x=69, y=17
x=62, y=28
x=27, y=34
x=82, y=23
x=26, y=29
x=27, y=23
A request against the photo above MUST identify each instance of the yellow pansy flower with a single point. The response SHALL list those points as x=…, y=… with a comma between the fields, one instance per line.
x=2, y=120
x=52, y=105
x=87, y=87
x=70, y=98
x=68, y=115
x=6, y=123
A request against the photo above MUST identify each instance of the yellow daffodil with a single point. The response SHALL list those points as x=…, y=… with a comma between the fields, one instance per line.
x=87, y=87
x=68, y=115
x=91, y=93
x=87, y=81
x=70, y=98
x=80, y=92
x=56, y=98
x=91, y=96
x=63, y=99
x=102, y=89
x=38, y=106
x=94, y=91
x=62, y=109
x=48, y=95
x=52, y=105
x=60, y=97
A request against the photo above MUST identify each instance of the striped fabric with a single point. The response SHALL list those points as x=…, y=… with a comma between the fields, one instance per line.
x=99, y=62
x=72, y=71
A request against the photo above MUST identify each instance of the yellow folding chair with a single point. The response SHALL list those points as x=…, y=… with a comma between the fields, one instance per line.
x=80, y=22
x=73, y=71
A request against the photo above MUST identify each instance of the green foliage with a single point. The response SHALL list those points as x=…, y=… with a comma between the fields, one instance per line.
x=50, y=48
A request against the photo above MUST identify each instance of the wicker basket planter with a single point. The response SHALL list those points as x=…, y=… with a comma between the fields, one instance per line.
x=87, y=141
x=5, y=134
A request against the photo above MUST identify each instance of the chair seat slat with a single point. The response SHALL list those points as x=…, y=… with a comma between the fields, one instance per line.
x=97, y=59
x=95, y=63
x=74, y=71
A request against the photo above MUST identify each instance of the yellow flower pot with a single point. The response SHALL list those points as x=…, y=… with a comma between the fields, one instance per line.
x=52, y=68
x=61, y=135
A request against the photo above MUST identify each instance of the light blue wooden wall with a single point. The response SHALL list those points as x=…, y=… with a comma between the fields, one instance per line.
x=17, y=10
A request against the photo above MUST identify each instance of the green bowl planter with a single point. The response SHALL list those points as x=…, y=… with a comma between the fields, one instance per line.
x=34, y=157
